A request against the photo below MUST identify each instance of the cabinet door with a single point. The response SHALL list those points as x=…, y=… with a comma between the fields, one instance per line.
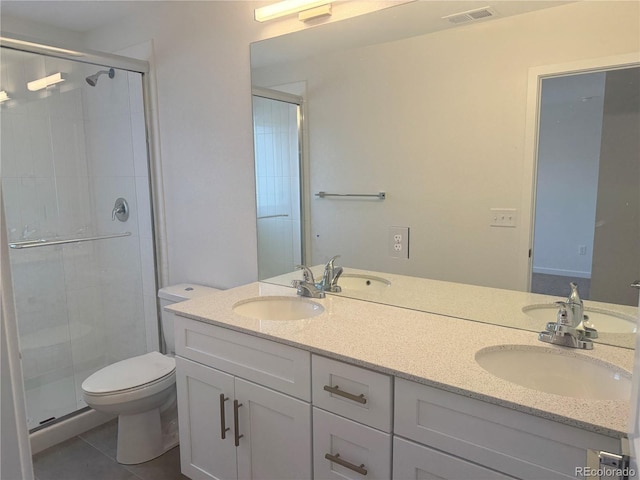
x=204, y=454
x=343, y=449
x=411, y=460
x=276, y=434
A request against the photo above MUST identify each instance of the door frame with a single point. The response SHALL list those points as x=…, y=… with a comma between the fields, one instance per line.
x=536, y=76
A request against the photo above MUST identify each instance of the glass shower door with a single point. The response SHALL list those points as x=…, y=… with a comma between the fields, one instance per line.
x=278, y=198
x=84, y=281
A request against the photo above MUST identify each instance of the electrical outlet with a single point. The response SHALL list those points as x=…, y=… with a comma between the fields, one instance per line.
x=503, y=217
x=399, y=242
x=582, y=249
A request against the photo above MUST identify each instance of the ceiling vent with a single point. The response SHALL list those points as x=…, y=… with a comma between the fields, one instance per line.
x=470, y=15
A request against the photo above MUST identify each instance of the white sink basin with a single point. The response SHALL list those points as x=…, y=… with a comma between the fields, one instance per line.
x=554, y=371
x=602, y=320
x=278, y=308
x=359, y=282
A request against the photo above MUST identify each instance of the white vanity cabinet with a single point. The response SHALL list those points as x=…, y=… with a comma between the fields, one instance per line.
x=252, y=408
x=231, y=427
x=450, y=436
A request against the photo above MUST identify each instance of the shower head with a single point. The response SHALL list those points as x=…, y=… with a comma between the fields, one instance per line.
x=93, y=79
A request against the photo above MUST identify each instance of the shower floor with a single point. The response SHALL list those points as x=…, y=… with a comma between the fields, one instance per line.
x=92, y=456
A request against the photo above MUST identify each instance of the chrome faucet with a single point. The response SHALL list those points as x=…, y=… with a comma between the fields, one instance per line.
x=569, y=329
x=307, y=287
x=330, y=277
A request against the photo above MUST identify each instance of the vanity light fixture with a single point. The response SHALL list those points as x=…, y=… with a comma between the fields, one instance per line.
x=46, y=81
x=313, y=13
x=288, y=7
x=4, y=97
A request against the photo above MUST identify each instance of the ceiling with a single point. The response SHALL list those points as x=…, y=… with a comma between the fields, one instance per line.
x=83, y=16
x=77, y=16
x=395, y=23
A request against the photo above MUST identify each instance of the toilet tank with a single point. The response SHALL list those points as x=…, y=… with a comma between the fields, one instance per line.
x=175, y=294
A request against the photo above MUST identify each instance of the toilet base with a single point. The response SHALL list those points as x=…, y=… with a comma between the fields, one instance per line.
x=145, y=436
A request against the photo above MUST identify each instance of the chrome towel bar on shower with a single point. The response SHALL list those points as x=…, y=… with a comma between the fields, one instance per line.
x=43, y=242
x=274, y=216
x=380, y=195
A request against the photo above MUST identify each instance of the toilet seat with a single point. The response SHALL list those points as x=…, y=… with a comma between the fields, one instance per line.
x=130, y=379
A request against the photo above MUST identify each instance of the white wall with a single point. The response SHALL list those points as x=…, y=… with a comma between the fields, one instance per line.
x=442, y=134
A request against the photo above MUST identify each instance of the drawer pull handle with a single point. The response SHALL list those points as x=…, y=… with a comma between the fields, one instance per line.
x=336, y=391
x=223, y=427
x=336, y=459
x=236, y=406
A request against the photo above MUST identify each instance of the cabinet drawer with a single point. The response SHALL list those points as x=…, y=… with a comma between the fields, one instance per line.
x=357, y=393
x=500, y=438
x=281, y=367
x=411, y=460
x=354, y=451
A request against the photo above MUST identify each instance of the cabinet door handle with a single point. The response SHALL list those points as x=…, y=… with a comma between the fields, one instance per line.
x=336, y=459
x=223, y=426
x=336, y=391
x=236, y=428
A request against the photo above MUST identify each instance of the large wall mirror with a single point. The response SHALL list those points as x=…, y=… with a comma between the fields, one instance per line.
x=438, y=115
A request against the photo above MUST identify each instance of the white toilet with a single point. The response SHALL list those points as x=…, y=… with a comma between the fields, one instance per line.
x=142, y=390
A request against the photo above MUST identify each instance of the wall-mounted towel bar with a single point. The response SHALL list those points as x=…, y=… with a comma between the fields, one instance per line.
x=43, y=242
x=273, y=216
x=380, y=195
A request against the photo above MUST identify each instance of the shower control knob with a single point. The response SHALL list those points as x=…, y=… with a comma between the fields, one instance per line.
x=120, y=210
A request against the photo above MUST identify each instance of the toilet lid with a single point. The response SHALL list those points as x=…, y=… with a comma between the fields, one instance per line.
x=130, y=373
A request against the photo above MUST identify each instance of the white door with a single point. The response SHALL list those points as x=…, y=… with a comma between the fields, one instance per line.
x=205, y=411
x=275, y=429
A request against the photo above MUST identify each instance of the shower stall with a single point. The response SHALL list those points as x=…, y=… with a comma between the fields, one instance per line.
x=76, y=192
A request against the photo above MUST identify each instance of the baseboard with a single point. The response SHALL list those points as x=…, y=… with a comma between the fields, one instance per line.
x=561, y=273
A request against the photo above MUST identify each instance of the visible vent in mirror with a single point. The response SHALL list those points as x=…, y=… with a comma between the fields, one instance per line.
x=470, y=15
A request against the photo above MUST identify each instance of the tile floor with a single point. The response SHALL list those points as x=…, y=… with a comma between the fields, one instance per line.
x=558, y=285
x=92, y=456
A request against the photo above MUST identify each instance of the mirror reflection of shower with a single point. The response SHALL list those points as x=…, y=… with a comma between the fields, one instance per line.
x=93, y=79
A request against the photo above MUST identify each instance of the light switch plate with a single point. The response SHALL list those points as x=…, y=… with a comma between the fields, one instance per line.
x=503, y=217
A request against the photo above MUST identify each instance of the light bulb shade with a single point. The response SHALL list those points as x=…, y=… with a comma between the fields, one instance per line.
x=4, y=97
x=46, y=81
x=286, y=7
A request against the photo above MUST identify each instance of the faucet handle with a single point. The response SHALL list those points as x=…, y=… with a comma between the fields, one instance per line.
x=307, y=274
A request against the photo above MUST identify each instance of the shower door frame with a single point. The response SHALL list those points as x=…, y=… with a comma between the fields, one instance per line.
x=25, y=44
x=297, y=100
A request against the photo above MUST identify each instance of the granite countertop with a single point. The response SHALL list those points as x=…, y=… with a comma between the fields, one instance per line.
x=432, y=349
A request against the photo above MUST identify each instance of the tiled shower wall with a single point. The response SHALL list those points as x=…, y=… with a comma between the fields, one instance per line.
x=277, y=186
x=67, y=153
